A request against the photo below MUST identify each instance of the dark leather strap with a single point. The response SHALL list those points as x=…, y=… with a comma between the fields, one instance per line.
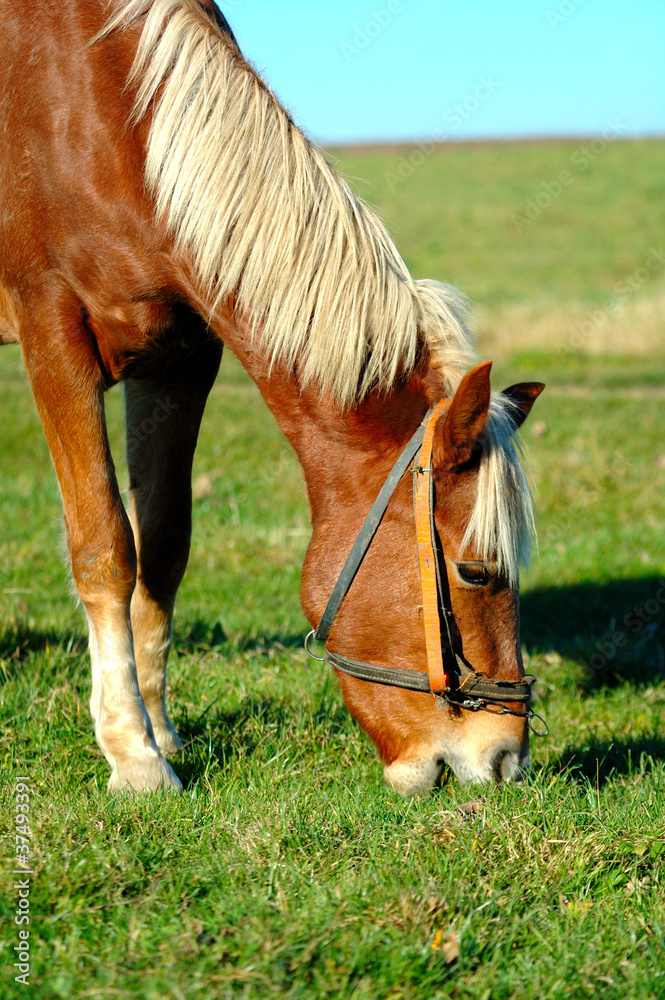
x=472, y=687
x=367, y=532
x=394, y=676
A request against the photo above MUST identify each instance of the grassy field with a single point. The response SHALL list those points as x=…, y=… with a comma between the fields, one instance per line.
x=536, y=256
x=287, y=869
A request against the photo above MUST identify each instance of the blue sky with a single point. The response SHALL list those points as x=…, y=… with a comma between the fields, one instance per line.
x=356, y=70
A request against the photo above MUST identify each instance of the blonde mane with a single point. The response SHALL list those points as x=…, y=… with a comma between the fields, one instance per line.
x=266, y=219
x=502, y=525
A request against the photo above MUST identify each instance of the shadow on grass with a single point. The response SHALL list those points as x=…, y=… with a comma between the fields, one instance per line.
x=215, y=738
x=616, y=630
x=599, y=761
x=20, y=642
x=200, y=636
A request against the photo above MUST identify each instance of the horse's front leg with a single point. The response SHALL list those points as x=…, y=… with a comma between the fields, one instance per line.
x=62, y=364
x=163, y=418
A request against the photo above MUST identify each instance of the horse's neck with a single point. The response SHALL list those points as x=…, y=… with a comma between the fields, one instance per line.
x=345, y=454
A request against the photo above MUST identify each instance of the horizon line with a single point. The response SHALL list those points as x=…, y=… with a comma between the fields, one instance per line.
x=524, y=140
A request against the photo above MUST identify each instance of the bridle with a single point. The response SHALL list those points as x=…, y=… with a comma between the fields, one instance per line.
x=448, y=676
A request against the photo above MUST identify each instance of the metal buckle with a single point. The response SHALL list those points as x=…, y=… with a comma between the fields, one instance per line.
x=478, y=705
x=472, y=704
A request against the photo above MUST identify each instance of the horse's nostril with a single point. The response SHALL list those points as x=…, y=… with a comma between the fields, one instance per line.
x=497, y=766
x=505, y=766
x=443, y=776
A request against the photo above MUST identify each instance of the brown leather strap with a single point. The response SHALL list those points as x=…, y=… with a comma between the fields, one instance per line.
x=422, y=501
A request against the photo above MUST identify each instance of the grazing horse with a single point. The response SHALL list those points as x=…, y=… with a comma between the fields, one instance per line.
x=157, y=202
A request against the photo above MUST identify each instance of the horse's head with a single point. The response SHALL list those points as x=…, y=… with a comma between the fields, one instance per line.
x=483, y=519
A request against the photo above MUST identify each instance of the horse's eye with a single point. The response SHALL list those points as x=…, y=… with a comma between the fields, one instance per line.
x=475, y=573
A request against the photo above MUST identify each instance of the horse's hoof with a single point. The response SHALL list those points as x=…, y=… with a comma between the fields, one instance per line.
x=148, y=774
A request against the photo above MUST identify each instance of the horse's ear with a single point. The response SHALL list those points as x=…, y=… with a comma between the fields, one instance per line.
x=458, y=431
x=524, y=395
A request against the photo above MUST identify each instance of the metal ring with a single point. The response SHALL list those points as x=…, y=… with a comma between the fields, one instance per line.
x=536, y=732
x=308, y=650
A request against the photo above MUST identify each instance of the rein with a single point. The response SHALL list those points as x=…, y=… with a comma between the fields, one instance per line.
x=448, y=676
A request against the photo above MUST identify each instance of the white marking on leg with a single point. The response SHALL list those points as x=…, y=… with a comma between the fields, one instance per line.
x=152, y=646
x=122, y=725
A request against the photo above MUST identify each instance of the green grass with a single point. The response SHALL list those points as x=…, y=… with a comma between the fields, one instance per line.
x=453, y=216
x=287, y=869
